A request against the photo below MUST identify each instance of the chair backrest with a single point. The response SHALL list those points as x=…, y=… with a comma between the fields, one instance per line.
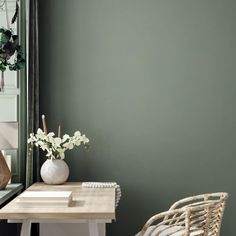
x=196, y=215
x=205, y=212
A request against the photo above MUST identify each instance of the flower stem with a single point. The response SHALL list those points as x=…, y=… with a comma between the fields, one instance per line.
x=44, y=124
x=59, y=131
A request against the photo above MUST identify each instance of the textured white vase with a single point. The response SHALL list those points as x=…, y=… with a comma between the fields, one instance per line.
x=54, y=171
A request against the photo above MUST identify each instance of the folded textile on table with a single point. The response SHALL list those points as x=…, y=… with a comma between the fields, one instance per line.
x=105, y=185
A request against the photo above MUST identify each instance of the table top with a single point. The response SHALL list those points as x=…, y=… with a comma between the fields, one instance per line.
x=87, y=203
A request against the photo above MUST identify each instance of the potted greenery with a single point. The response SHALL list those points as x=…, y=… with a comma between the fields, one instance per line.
x=11, y=56
x=9, y=48
x=55, y=170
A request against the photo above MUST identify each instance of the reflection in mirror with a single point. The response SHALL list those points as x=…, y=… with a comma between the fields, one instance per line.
x=12, y=83
x=11, y=54
x=8, y=140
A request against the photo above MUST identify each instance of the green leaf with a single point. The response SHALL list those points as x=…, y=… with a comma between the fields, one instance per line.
x=5, y=36
x=15, y=41
x=2, y=67
x=12, y=67
x=9, y=47
x=20, y=65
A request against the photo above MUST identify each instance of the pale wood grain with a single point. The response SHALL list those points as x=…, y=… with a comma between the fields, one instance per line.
x=87, y=203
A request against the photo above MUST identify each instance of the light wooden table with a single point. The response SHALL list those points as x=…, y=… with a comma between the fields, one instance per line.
x=94, y=206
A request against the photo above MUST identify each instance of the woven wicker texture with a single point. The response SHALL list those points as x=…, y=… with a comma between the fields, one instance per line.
x=199, y=215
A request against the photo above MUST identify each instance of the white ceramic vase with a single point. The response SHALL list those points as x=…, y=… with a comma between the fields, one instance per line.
x=54, y=171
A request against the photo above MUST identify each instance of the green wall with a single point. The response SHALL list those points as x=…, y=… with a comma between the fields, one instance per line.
x=152, y=84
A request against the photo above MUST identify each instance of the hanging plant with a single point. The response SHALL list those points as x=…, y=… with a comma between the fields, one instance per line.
x=11, y=55
x=9, y=47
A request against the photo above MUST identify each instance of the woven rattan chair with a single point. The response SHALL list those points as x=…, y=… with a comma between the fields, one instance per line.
x=193, y=216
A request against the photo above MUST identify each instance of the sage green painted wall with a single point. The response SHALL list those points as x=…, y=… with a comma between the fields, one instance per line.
x=152, y=84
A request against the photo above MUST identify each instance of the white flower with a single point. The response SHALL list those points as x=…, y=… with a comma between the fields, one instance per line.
x=57, y=142
x=85, y=139
x=40, y=134
x=56, y=146
x=44, y=146
x=31, y=139
x=65, y=137
x=68, y=145
x=50, y=137
x=61, y=153
x=51, y=134
x=77, y=142
x=77, y=134
x=50, y=154
x=39, y=131
x=41, y=144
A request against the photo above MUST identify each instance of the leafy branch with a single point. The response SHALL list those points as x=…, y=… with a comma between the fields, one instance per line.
x=9, y=46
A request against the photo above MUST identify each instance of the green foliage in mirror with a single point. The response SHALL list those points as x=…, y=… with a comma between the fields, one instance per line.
x=9, y=47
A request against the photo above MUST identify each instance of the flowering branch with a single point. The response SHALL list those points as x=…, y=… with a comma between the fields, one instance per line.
x=56, y=146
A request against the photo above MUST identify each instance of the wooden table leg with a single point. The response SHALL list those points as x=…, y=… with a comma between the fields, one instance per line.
x=93, y=228
x=102, y=229
x=25, y=228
